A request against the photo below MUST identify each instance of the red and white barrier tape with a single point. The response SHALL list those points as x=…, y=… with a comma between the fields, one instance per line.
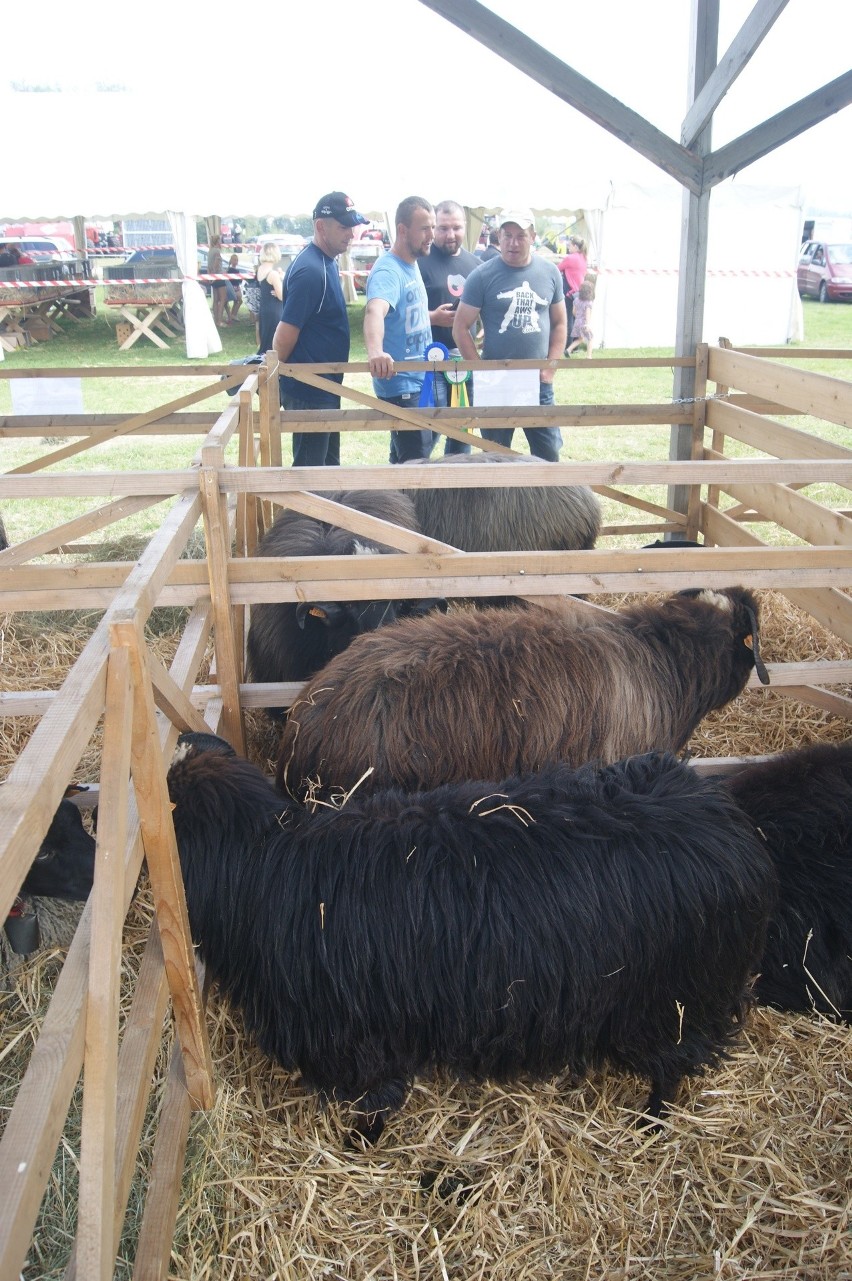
x=711, y=271
x=80, y=282
x=93, y=250
x=74, y=282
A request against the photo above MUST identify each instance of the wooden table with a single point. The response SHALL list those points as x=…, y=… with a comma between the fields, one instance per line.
x=149, y=307
x=49, y=304
x=15, y=306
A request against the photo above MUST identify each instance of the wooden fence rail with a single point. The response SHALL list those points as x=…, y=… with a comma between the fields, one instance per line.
x=119, y=689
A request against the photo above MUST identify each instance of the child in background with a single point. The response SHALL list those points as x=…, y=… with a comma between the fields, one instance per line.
x=581, y=327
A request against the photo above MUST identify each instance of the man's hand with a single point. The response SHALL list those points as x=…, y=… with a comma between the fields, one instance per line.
x=381, y=366
x=443, y=316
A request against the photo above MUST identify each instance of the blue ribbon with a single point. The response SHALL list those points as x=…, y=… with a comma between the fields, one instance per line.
x=435, y=351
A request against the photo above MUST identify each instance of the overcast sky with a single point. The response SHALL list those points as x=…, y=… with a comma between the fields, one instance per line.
x=382, y=97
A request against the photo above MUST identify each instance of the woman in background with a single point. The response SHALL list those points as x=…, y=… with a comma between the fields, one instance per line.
x=271, y=280
x=234, y=296
x=573, y=267
x=581, y=326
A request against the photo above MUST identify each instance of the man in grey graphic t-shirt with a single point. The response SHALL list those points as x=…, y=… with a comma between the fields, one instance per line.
x=519, y=300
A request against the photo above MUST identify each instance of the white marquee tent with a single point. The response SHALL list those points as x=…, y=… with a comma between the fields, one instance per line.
x=751, y=295
x=155, y=146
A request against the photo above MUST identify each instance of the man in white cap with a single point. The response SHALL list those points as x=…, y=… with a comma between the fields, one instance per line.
x=518, y=298
x=314, y=325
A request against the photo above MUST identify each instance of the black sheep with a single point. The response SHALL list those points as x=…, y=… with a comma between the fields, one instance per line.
x=290, y=642
x=567, y=920
x=802, y=803
x=48, y=908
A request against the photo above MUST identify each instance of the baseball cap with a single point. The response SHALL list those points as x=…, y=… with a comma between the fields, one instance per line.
x=341, y=207
x=523, y=217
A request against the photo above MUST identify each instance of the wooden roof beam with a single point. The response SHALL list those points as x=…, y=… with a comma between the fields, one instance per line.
x=778, y=129
x=584, y=95
x=732, y=62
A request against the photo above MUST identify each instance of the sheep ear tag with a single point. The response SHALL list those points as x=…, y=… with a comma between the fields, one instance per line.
x=435, y=351
x=304, y=610
x=22, y=928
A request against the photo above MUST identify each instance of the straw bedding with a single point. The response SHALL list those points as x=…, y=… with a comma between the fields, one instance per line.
x=750, y=1177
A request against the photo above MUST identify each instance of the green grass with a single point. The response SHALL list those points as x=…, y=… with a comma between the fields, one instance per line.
x=92, y=343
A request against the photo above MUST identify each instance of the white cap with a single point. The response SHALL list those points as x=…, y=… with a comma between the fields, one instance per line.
x=523, y=217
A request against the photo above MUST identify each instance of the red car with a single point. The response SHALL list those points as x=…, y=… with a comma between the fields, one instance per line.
x=825, y=271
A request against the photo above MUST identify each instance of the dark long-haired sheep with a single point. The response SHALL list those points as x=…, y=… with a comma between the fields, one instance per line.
x=289, y=642
x=568, y=920
x=802, y=804
x=485, y=694
x=538, y=518
x=51, y=899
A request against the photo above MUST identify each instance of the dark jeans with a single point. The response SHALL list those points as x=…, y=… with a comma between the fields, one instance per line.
x=405, y=445
x=545, y=442
x=312, y=449
x=569, y=307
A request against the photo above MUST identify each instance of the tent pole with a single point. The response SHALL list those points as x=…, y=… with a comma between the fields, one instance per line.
x=704, y=41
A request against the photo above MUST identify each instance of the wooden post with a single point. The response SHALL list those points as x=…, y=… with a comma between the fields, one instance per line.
x=693, y=510
x=229, y=663
x=95, y=1249
x=270, y=425
x=246, y=527
x=158, y=837
x=163, y=1199
x=692, y=270
x=718, y=441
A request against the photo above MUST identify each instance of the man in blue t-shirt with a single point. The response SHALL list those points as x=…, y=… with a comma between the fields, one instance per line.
x=314, y=325
x=396, y=321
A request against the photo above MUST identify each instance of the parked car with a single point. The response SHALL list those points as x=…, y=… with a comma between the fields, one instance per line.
x=362, y=256
x=157, y=258
x=825, y=271
x=151, y=261
x=288, y=245
x=42, y=248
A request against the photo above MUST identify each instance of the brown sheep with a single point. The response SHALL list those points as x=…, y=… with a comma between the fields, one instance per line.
x=496, y=692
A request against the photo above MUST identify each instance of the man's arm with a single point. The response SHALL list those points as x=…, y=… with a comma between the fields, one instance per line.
x=285, y=339
x=466, y=318
x=381, y=364
x=558, y=337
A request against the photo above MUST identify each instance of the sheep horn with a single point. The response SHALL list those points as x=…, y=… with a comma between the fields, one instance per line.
x=752, y=642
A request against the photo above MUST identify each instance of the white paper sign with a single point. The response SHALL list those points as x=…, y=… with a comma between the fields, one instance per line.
x=505, y=387
x=47, y=396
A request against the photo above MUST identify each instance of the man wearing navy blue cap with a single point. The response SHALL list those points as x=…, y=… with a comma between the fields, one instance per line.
x=314, y=325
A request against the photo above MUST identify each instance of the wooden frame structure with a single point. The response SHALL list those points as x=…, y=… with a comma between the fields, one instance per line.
x=691, y=160
x=142, y=706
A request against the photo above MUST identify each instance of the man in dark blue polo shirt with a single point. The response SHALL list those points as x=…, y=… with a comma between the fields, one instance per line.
x=314, y=325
